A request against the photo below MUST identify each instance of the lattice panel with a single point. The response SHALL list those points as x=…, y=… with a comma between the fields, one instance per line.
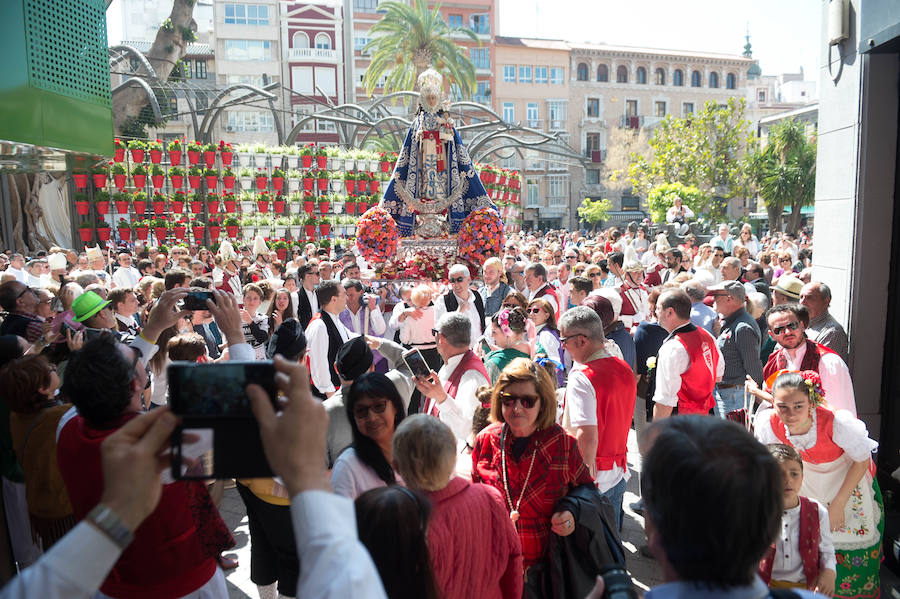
x=66, y=46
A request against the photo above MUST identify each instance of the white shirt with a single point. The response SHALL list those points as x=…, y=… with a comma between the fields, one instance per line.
x=351, y=477
x=671, y=362
x=787, y=564
x=358, y=322
x=126, y=277
x=317, y=341
x=471, y=311
x=313, y=301
x=672, y=212
x=457, y=412
x=33, y=281
x=834, y=374
x=17, y=273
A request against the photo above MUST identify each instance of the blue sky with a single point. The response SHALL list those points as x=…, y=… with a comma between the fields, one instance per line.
x=784, y=33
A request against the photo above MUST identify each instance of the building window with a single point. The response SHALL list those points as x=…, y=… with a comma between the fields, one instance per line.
x=481, y=92
x=714, y=80
x=248, y=50
x=359, y=43
x=246, y=14
x=592, y=176
x=631, y=108
x=730, y=81
x=696, y=80
x=509, y=73
x=524, y=74
x=557, y=110
x=531, y=114
x=173, y=108
x=603, y=73
x=454, y=20
x=481, y=57
x=558, y=186
x=540, y=74
x=251, y=121
x=509, y=112
x=687, y=108
x=593, y=107
x=591, y=143
x=641, y=75
x=323, y=42
x=678, y=78
x=556, y=75
x=660, y=77
x=199, y=69
x=761, y=95
x=300, y=40
x=480, y=24
x=660, y=108
x=254, y=80
x=369, y=5
x=622, y=74
x=582, y=73
x=533, y=194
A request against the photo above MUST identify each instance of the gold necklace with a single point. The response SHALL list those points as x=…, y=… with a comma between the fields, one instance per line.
x=514, y=511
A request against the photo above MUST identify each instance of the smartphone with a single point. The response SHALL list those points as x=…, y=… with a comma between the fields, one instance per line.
x=196, y=299
x=416, y=363
x=218, y=390
x=485, y=346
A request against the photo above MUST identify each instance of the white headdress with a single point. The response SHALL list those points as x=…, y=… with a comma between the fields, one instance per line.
x=259, y=246
x=226, y=251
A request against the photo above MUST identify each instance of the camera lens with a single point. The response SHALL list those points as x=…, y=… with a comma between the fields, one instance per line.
x=618, y=583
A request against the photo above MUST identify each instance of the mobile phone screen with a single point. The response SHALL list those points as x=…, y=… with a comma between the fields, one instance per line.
x=416, y=363
x=218, y=390
x=196, y=299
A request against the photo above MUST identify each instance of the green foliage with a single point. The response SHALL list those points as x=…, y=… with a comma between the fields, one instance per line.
x=707, y=150
x=662, y=197
x=187, y=34
x=594, y=211
x=409, y=39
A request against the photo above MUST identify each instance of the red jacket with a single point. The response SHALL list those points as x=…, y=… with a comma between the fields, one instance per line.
x=464, y=516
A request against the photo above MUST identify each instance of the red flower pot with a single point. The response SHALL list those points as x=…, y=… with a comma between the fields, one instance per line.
x=99, y=181
x=160, y=233
x=194, y=181
x=80, y=180
x=82, y=208
x=308, y=185
x=350, y=207
x=229, y=206
x=155, y=156
x=502, y=180
x=306, y=161
x=174, y=157
x=373, y=186
x=140, y=207
x=86, y=234
x=324, y=229
x=385, y=166
x=309, y=207
x=262, y=206
x=278, y=183
x=212, y=206
x=393, y=165
x=361, y=207
x=214, y=233
x=124, y=233
x=209, y=158
x=232, y=230
x=157, y=180
x=137, y=155
x=140, y=181
x=142, y=233
x=212, y=182
x=196, y=207
x=104, y=233
x=310, y=230
x=322, y=184
x=279, y=206
x=177, y=181
x=350, y=185
x=228, y=182
x=193, y=157
x=119, y=155
x=122, y=207
x=281, y=253
x=177, y=207
x=227, y=158
x=261, y=182
x=323, y=207
x=321, y=161
x=198, y=233
x=159, y=208
x=180, y=232
x=102, y=208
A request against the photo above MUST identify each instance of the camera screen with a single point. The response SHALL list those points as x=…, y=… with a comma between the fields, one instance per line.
x=416, y=363
x=196, y=300
x=217, y=389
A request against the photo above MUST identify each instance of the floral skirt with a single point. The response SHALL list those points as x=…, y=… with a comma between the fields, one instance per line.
x=858, y=570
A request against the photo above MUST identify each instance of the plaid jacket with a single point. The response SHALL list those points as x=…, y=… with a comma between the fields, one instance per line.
x=558, y=466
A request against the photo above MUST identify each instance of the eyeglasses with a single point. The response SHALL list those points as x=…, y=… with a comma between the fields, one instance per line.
x=563, y=340
x=527, y=401
x=435, y=333
x=362, y=412
x=26, y=290
x=791, y=326
x=534, y=310
x=457, y=280
x=571, y=257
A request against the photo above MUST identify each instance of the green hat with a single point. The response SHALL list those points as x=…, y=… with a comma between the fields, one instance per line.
x=87, y=304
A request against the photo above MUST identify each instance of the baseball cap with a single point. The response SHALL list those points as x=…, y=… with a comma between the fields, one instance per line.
x=733, y=288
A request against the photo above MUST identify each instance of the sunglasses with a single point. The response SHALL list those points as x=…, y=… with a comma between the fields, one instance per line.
x=534, y=310
x=435, y=333
x=26, y=290
x=362, y=412
x=785, y=260
x=791, y=326
x=571, y=257
x=527, y=401
x=594, y=274
x=457, y=280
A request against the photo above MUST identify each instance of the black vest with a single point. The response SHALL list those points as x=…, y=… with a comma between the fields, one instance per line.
x=451, y=303
x=334, y=343
x=304, y=309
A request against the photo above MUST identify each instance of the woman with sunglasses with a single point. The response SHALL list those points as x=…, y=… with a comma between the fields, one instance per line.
x=508, y=330
x=374, y=409
x=528, y=457
x=547, y=345
x=595, y=274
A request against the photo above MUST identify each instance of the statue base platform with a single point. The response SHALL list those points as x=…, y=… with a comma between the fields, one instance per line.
x=420, y=259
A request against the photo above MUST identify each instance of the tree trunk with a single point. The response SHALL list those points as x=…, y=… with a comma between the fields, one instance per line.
x=167, y=49
x=796, y=216
x=774, y=218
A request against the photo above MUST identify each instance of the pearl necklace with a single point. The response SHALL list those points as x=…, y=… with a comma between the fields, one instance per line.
x=514, y=510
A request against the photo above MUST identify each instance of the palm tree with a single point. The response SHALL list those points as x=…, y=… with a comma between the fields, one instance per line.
x=409, y=39
x=787, y=172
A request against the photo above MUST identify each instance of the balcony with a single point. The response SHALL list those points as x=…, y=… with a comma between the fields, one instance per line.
x=534, y=123
x=536, y=165
x=312, y=55
x=486, y=100
x=556, y=125
x=595, y=156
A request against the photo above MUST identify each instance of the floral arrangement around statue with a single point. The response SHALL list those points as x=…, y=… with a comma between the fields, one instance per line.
x=480, y=236
x=377, y=236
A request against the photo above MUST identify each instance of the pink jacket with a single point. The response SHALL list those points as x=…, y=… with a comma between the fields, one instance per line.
x=475, y=550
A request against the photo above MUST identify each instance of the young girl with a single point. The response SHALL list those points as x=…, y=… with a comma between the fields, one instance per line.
x=803, y=554
x=836, y=451
x=255, y=325
x=508, y=328
x=547, y=346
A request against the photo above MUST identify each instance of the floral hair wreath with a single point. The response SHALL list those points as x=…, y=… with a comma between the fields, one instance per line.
x=814, y=386
x=503, y=321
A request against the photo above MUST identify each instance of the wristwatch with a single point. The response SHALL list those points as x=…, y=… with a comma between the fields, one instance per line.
x=109, y=523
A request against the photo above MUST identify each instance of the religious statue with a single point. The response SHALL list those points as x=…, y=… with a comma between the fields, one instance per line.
x=434, y=185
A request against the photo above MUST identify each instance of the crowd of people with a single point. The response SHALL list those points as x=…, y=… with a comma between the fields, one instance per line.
x=465, y=474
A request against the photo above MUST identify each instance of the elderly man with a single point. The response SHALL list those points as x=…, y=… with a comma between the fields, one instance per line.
x=723, y=240
x=678, y=215
x=450, y=393
x=494, y=289
x=786, y=290
x=538, y=287
x=732, y=271
x=739, y=341
x=517, y=277
x=127, y=275
x=21, y=303
x=600, y=397
x=460, y=298
x=823, y=328
x=16, y=268
x=701, y=315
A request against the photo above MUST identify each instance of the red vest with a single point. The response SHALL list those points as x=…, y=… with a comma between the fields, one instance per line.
x=697, y=382
x=469, y=362
x=615, y=390
x=825, y=450
x=653, y=278
x=809, y=545
x=814, y=352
